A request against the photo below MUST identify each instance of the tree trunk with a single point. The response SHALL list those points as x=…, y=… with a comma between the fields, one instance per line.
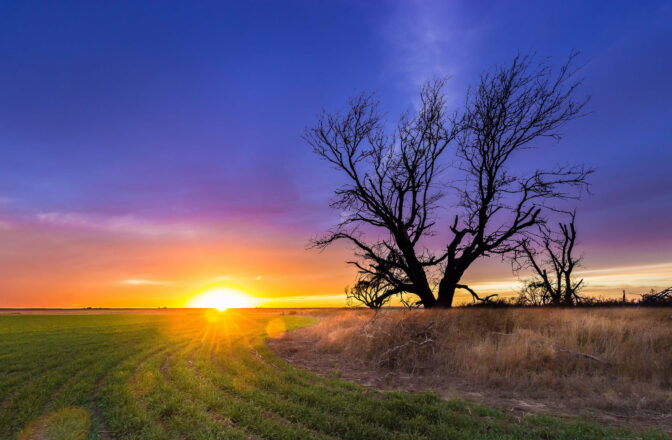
x=446, y=295
x=415, y=270
x=428, y=300
x=424, y=292
x=569, y=292
x=447, y=288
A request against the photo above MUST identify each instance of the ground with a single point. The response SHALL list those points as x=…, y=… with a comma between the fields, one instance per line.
x=210, y=375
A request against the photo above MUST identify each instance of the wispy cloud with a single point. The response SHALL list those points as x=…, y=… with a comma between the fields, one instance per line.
x=124, y=224
x=509, y=285
x=629, y=269
x=641, y=277
x=427, y=39
x=231, y=278
x=302, y=301
x=144, y=282
x=633, y=278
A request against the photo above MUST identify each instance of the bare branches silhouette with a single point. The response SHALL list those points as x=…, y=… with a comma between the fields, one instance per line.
x=395, y=177
x=552, y=258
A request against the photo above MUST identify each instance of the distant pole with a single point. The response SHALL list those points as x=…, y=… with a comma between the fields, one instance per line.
x=623, y=296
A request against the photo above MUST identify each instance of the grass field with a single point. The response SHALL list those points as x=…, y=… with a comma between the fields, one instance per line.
x=190, y=375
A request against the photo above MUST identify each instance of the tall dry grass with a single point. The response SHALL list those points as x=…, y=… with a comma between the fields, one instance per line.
x=617, y=359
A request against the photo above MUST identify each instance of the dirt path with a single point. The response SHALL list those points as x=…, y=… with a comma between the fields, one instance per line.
x=299, y=348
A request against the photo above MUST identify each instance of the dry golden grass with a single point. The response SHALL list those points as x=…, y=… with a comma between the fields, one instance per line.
x=617, y=359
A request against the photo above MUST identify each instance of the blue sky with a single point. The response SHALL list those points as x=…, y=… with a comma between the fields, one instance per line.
x=123, y=115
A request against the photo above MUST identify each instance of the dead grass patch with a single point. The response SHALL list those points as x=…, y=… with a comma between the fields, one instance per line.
x=574, y=361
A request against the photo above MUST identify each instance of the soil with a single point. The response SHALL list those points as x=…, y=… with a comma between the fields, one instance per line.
x=299, y=348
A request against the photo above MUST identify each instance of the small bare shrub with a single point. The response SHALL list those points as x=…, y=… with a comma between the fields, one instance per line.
x=662, y=298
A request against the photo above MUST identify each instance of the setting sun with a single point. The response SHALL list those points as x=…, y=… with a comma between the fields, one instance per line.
x=221, y=298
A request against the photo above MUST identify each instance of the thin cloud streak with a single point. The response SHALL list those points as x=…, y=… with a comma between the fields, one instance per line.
x=303, y=301
x=622, y=269
x=430, y=39
x=608, y=280
x=145, y=282
x=123, y=224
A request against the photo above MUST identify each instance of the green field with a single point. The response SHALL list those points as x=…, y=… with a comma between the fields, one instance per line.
x=182, y=376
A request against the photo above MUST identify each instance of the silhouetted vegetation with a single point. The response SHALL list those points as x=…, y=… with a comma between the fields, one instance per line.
x=390, y=202
x=551, y=256
x=526, y=298
x=367, y=291
x=662, y=298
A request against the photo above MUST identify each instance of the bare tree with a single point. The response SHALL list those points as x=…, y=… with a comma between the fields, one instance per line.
x=393, y=185
x=533, y=293
x=368, y=292
x=553, y=261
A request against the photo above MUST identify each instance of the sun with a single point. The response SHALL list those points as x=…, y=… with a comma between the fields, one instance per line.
x=221, y=298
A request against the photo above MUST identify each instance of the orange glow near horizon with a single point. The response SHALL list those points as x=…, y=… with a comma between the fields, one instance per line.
x=221, y=298
x=59, y=266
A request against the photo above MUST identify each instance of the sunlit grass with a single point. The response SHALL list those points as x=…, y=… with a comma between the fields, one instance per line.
x=64, y=424
x=184, y=376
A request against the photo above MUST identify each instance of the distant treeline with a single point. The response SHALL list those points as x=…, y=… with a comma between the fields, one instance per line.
x=654, y=298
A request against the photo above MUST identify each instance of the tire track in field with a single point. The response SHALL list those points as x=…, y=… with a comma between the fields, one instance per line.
x=96, y=414
x=78, y=378
x=387, y=402
x=53, y=350
x=287, y=401
x=62, y=363
x=242, y=355
x=250, y=412
x=168, y=351
x=142, y=356
x=213, y=418
x=263, y=354
x=208, y=335
x=65, y=373
x=213, y=344
x=35, y=373
x=310, y=418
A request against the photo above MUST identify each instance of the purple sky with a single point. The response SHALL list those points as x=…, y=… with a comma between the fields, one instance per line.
x=119, y=117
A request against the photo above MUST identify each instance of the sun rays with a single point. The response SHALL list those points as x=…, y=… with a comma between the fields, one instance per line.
x=221, y=298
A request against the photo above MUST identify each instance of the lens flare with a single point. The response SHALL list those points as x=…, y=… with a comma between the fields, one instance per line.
x=221, y=298
x=276, y=328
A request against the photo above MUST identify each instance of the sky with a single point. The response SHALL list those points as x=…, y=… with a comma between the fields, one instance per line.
x=152, y=150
